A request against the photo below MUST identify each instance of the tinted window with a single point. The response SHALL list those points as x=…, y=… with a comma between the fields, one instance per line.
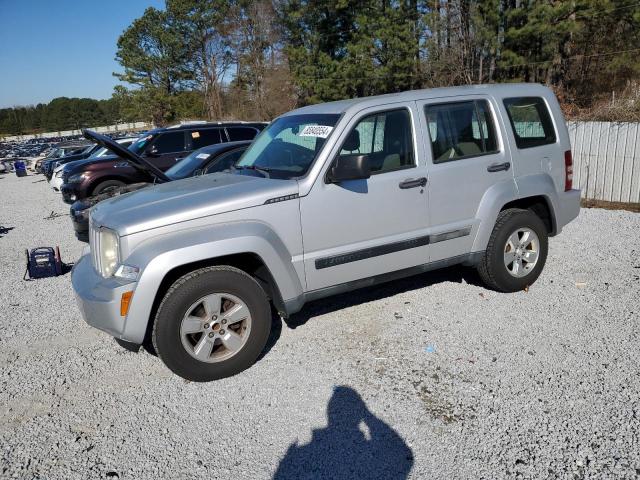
x=241, y=133
x=530, y=120
x=169, y=142
x=386, y=138
x=202, y=138
x=460, y=130
x=225, y=161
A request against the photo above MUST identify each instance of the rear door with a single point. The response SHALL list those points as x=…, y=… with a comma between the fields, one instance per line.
x=535, y=139
x=467, y=156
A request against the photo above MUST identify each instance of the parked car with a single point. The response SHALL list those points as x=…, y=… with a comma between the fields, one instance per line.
x=163, y=147
x=330, y=198
x=77, y=154
x=59, y=151
x=99, y=152
x=211, y=159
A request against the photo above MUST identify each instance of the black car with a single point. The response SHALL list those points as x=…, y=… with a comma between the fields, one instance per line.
x=84, y=152
x=161, y=147
x=211, y=159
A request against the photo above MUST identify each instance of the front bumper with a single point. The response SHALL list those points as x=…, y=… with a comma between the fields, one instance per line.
x=69, y=192
x=79, y=213
x=56, y=183
x=99, y=298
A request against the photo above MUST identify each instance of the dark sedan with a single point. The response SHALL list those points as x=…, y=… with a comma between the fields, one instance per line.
x=211, y=159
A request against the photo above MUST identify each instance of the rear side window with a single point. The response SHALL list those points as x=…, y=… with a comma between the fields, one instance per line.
x=531, y=121
x=460, y=130
x=169, y=142
x=241, y=133
x=202, y=138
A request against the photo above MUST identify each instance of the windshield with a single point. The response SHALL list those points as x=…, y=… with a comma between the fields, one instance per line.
x=288, y=146
x=189, y=164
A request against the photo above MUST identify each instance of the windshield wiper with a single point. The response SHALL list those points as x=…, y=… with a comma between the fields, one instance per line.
x=263, y=170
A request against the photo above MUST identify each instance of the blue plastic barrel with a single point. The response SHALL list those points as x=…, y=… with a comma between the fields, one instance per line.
x=21, y=168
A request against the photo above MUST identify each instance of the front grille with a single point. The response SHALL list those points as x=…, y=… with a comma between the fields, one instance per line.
x=94, y=244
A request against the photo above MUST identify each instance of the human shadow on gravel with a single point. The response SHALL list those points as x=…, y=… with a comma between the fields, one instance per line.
x=455, y=274
x=354, y=445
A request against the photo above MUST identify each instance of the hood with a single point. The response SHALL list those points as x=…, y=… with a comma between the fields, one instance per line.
x=126, y=154
x=73, y=167
x=188, y=199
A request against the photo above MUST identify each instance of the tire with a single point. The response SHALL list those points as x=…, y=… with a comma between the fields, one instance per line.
x=192, y=299
x=494, y=269
x=106, y=186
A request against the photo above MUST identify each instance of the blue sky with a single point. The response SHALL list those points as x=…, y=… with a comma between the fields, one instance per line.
x=59, y=48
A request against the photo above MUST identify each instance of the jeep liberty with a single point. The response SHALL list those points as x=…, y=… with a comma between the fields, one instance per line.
x=327, y=199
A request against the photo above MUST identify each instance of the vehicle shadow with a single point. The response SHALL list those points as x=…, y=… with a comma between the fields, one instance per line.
x=456, y=274
x=5, y=230
x=355, y=444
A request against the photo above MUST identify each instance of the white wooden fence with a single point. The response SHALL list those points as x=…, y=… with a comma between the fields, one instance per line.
x=606, y=158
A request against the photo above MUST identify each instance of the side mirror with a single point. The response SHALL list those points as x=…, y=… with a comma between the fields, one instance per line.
x=349, y=167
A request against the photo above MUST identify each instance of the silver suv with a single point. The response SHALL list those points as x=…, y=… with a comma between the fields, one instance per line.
x=329, y=198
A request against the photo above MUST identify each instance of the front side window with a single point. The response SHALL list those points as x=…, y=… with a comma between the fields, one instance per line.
x=288, y=146
x=169, y=142
x=202, y=138
x=531, y=122
x=386, y=138
x=460, y=130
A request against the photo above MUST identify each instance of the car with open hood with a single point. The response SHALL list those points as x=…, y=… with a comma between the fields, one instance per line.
x=161, y=147
x=211, y=159
x=329, y=198
x=97, y=153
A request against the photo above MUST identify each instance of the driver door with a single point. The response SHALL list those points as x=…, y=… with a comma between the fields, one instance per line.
x=168, y=148
x=361, y=228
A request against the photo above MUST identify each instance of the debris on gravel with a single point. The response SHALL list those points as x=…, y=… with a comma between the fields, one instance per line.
x=428, y=377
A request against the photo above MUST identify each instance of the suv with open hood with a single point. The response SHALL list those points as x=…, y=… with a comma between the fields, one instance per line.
x=161, y=147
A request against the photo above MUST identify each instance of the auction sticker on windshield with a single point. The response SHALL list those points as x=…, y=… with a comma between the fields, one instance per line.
x=321, y=131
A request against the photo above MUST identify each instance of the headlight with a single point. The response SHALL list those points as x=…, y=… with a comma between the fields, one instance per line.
x=77, y=178
x=108, y=254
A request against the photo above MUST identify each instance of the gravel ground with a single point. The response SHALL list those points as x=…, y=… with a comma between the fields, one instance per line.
x=430, y=377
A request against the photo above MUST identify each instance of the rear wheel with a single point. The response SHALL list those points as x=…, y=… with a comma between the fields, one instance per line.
x=212, y=323
x=107, y=186
x=516, y=252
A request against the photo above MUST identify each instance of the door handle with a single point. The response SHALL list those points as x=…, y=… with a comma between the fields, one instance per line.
x=497, y=167
x=413, y=183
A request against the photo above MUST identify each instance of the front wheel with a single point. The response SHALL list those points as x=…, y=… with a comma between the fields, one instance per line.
x=107, y=186
x=212, y=323
x=516, y=252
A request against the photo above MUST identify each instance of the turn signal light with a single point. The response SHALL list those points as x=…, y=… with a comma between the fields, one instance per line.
x=125, y=301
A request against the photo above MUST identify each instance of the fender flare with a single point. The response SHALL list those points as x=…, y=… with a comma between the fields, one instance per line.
x=500, y=194
x=159, y=255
